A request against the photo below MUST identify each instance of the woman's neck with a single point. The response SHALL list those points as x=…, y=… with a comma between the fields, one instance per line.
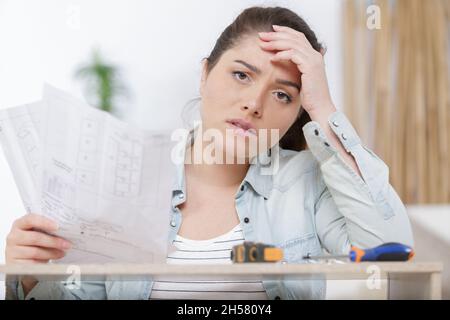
x=214, y=175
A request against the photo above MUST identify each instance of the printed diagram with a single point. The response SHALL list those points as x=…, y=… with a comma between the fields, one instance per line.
x=61, y=190
x=57, y=210
x=85, y=177
x=105, y=183
x=123, y=165
x=29, y=145
x=87, y=156
x=100, y=229
x=28, y=141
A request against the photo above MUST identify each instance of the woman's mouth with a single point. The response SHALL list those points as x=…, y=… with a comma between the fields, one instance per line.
x=242, y=127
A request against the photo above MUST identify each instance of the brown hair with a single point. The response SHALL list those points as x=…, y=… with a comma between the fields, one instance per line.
x=260, y=19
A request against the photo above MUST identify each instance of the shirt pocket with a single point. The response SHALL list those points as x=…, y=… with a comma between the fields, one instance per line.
x=294, y=250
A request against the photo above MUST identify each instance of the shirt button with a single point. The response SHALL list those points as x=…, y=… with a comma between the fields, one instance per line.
x=335, y=123
x=181, y=196
x=246, y=220
x=344, y=137
x=316, y=132
x=242, y=188
x=277, y=298
x=173, y=223
x=327, y=144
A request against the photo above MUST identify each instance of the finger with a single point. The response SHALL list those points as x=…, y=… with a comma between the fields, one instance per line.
x=280, y=35
x=293, y=32
x=285, y=29
x=34, y=221
x=30, y=261
x=279, y=45
x=288, y=30
x=294, y=56
x=39, y=239
x=37, y=253
x=267, y=36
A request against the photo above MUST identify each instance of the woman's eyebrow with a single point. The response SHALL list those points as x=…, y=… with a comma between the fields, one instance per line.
x=258, y=71
x=248, y=65
x=288, y=83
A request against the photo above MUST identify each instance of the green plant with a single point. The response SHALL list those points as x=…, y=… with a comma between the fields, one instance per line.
x=102, y=81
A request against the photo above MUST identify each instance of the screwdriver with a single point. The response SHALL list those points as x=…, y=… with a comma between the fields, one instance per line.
x=391, y=251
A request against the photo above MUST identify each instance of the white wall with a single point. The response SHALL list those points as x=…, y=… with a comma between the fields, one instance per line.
x=158, y=44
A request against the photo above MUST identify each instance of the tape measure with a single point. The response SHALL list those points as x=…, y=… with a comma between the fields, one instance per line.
x=255, y=252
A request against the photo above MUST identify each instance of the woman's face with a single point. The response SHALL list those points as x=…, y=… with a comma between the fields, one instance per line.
x=246, y=90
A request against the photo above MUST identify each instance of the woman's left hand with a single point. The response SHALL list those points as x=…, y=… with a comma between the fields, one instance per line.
x=292, y=45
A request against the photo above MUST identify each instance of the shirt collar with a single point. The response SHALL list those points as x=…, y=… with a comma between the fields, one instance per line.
x=260, y=182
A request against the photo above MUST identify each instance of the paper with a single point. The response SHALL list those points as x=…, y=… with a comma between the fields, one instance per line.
x=106, y=184
x=20, y=137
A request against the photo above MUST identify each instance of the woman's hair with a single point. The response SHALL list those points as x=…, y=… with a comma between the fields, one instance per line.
x=261, y=19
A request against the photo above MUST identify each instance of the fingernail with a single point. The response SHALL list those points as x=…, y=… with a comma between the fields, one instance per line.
x=67, y=245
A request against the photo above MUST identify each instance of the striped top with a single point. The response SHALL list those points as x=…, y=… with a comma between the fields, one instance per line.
x=211, y=251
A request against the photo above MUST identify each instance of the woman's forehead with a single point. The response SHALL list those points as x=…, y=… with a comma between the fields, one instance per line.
x=248, y=50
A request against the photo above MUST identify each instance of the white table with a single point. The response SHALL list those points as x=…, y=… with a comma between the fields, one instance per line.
x=406, y=280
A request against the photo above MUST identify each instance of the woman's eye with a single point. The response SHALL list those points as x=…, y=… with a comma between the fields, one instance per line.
x=241, y=76
x=284, y=97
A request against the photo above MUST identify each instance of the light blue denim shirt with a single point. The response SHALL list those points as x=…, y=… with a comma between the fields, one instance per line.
x=313, y=202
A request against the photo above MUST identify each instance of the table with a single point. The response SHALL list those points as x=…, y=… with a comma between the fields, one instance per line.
x=406, y=280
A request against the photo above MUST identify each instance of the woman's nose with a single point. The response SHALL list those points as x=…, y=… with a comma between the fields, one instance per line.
x=254, y=107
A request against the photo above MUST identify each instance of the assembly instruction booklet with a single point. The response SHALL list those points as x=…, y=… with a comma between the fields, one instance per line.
x=106, y=183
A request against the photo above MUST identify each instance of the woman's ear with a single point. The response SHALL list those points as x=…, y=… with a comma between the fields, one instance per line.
x=323, y=51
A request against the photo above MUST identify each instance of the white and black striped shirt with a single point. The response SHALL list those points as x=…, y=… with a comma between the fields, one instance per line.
x=212, y=251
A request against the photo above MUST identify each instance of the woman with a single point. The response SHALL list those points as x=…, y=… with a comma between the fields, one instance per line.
x=328, y=192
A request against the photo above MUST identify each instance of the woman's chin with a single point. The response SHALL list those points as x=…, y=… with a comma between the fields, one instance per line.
x=239, y=152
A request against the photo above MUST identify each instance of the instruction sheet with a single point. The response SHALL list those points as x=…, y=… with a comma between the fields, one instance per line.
x=106, y=183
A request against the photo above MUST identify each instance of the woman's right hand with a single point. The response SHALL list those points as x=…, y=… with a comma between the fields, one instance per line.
x=27, y=243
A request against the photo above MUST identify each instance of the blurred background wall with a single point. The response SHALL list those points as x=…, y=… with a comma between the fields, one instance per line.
x=157, y=47
x=397, y=90
x=397, y=95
